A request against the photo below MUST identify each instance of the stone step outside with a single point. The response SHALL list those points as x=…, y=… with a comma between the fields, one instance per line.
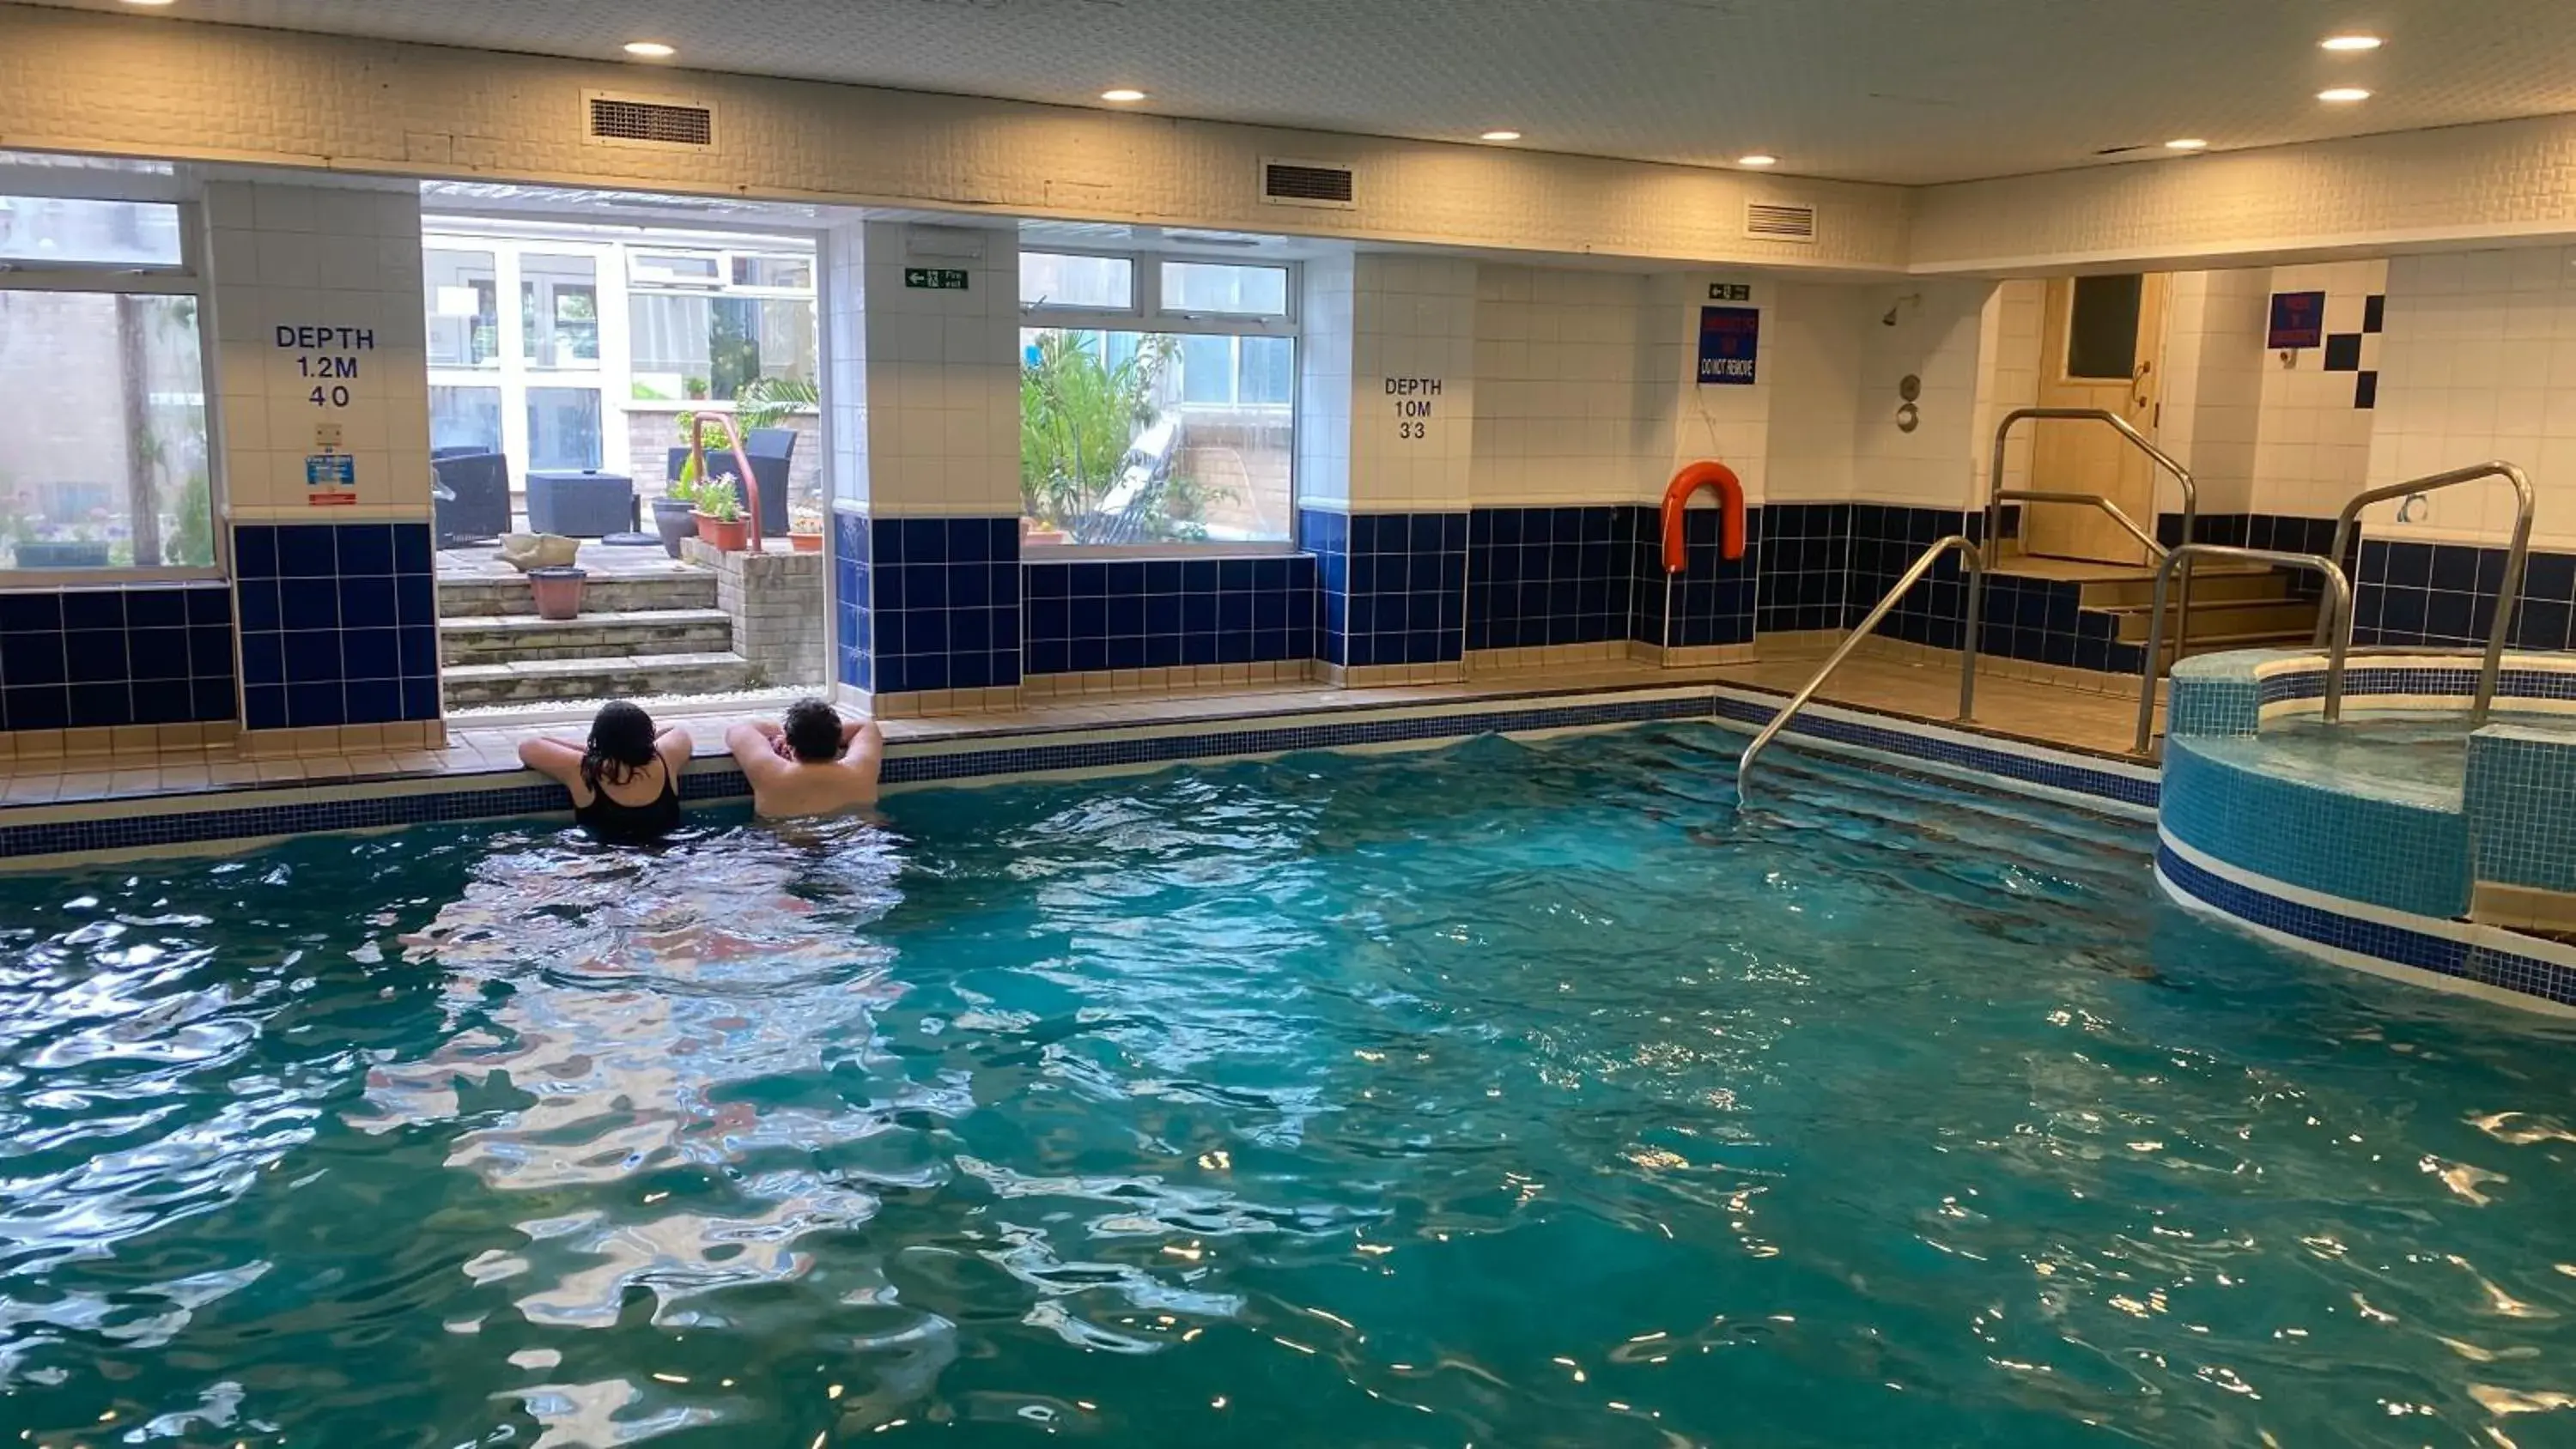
x=488, y=597
x=540, y=681
x=513, y=638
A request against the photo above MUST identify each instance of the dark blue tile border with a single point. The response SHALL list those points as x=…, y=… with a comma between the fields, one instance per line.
x=2397, y=945
x=136, y=828
x=2011, y=765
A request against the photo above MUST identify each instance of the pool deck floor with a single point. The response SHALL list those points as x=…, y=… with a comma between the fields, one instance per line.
x=2013, y=708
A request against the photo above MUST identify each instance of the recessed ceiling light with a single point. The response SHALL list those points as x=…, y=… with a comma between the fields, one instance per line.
x=2187, y=143
x=154, y=3
x=2350, y=42
x=2344, y=95
x=1500, y=136
x=1757, y=159
x=1122, y=95
x=650, y=49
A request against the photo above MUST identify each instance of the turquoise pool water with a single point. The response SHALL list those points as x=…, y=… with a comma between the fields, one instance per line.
x=1511, y=1094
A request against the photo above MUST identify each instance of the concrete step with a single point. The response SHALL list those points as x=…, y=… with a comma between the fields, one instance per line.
x=2224, y=618
x=604, y=593
x=539, y=681
x=511, y=638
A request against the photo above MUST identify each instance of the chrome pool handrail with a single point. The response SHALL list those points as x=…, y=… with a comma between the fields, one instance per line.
x=2090, y=500
x=2508, y=597
x=1905, y=582
x=2338, y=607
x=1996, y=497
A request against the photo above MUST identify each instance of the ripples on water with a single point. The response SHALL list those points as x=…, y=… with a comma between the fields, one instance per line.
x=1510, y=1094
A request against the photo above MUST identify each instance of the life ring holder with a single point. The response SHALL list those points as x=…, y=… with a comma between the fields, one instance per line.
x=1730, y=498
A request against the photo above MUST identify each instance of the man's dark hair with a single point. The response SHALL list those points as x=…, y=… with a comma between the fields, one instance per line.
x=813, y=731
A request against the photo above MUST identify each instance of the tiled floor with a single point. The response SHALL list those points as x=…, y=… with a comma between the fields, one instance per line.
x=2009, y=707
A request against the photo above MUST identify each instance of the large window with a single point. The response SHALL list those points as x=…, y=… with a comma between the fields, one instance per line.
x=1157, y=400
x=102, y=363
x=568, y=346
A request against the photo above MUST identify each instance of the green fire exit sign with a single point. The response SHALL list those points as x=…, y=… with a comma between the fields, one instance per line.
x=935, y=279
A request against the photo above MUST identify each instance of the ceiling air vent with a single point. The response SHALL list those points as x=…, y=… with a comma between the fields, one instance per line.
x=1779, y=221
x=1304, y=183
x=614, y=120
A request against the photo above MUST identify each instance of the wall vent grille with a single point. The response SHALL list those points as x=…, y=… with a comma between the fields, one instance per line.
x=1304, y=183
x=634, y=121
x=1779, y=221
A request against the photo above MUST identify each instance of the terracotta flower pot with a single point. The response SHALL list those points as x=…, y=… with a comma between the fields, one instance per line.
x=723, y=536
x=557, y=591
x=806, y=542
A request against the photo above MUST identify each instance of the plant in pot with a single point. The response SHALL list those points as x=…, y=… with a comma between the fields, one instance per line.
x=557, y=591
x=720, y=521
x=805, y=529
x=674, y=514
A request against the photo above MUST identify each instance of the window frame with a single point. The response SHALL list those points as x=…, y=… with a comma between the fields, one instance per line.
x=186, y=278
x=1146, y=314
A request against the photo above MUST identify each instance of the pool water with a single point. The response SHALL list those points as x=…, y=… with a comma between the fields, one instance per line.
x=1516, y=1093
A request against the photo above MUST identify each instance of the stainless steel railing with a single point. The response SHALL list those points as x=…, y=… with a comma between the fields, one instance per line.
x=2509, y=595
x=2338, y=607
x=1997, y=496
x=1913, y=575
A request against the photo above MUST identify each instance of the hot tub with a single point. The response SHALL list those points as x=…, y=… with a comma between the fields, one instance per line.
x=2403, y=839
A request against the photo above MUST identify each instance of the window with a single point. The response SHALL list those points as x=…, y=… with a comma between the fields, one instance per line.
x=102, y=360
x=2102, y=328
x=1157, y=400
x=566, y=345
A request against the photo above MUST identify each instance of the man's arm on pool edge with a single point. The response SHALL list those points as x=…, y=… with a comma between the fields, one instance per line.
x=863, y=752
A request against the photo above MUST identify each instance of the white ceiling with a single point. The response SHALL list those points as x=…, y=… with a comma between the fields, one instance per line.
x=1907, y=91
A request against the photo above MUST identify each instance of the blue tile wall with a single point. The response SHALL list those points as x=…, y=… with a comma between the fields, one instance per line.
x=2041, y=620
x=1713, y=599
x=1541, y=576
x=854, y=661
x=2445, y=593
x=2387, y=852
x=2521, y=793
x=1392, y=586
x=1806, y=566
x=1089, y=615
x=944, y=607
x=339, y=623
x=85, y=658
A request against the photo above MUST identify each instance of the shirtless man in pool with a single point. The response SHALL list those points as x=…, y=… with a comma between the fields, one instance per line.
x=809, y=762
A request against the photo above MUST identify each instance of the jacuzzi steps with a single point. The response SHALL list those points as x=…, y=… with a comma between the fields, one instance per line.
x=2233, y=606
x=654, y=634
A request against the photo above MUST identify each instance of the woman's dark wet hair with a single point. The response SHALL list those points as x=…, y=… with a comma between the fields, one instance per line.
x=621, y=743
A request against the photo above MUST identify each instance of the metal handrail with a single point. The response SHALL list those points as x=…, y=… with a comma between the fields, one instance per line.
x=2126, y=429
x=2090, y=500
x=2338, y=607
x=2508, y=598
x=1911, y=577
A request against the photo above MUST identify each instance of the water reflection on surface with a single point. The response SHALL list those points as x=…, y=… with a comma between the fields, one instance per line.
x=1499, y=1095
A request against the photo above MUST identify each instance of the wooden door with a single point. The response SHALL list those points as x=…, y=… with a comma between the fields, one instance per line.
x=2102, y=346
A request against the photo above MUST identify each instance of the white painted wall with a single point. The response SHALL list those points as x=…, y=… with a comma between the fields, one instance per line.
x=2478, y=363
x=1414, y=317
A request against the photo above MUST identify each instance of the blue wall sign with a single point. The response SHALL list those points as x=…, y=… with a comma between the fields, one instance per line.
x=1728, y=339
x=2298, y=320
x=330, y=479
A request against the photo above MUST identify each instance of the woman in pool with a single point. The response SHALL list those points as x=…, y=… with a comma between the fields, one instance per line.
x=625, y=780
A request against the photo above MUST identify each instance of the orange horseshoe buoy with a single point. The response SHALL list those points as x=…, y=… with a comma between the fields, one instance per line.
x=1730, y=498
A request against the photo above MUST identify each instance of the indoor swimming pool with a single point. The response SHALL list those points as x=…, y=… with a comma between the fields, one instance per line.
x=1518, y=1092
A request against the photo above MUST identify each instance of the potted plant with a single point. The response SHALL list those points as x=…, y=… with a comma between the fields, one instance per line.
x=720, y=522
x=805, y=530
x=674, y=514
x=557, y=590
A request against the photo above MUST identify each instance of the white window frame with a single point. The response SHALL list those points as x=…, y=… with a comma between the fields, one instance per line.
x=515, y=374
x=187, y=278
x=1146, y=313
